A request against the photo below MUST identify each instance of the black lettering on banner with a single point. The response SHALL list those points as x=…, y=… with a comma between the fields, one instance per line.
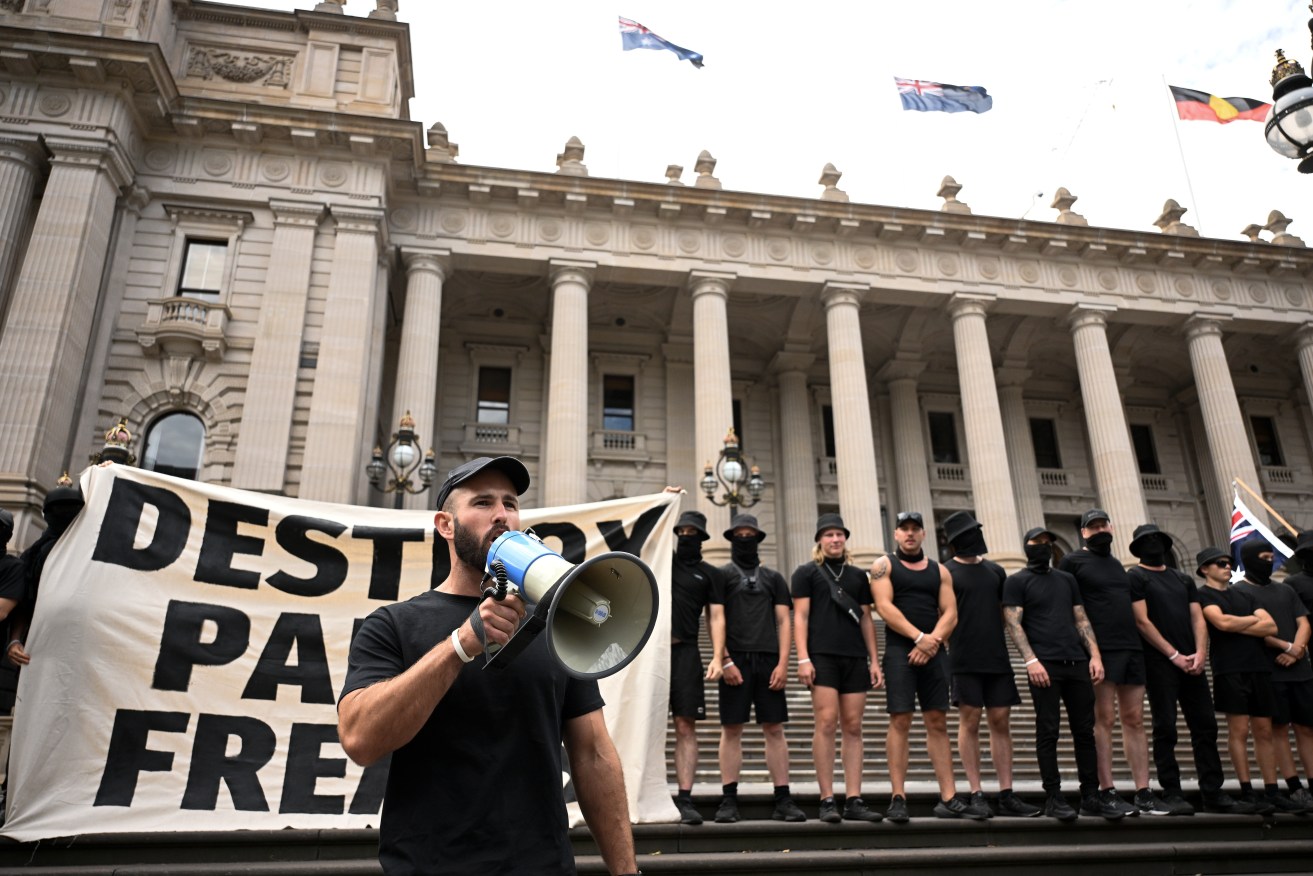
x=181, y=647
x=211, y=764
x=305, y=766
x=118, y=530
x=573, y=543
x=614, y=531
x=128, y=755
x=369, y=793
x=311, y=670
x=385, y=572
x=329, y=562
x=222, y=543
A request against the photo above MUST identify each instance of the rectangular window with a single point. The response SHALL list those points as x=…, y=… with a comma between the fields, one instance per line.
x=827, y=426
x=618, y=403
x=1044, y=435
x=202, y=268
x=494, y=405
x=1146, y=454
x=943, y=437
x=1265, y=439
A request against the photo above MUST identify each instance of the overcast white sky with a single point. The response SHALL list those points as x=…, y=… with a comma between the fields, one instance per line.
x=1079, y=90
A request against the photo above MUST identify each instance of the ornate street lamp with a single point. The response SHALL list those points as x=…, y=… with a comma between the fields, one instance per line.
x=116, y=448
x=1289, y=126
x=390, y=472
x=742, y=484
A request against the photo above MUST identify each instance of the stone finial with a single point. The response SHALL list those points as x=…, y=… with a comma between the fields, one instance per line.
x=440, y=147
x=1277, y=223
x=673, y=174
x=948, y=190
x=830, y=176
x=1062, y=201
x=705, y=168
x=332, y=7
x=385, y=9
x=1170, y=220
x=1252, y=231
x=571, y=161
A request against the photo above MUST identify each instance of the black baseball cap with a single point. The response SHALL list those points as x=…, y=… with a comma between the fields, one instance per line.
x=909, y=517
x=1092, y=515
x=507, y=465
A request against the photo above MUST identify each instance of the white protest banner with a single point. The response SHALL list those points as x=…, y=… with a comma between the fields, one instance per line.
x=190, y=640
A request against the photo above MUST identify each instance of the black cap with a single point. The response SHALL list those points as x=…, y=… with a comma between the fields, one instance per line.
x=1304, y=544
x=959, y=523
x=695, y=519
x=6, y=527
x=747, y=520
x=909, y=517
x=1036, y=533
x=830, y=521
x=1092, y=515
x=1206, y=556
x=507, y=465
x=1145, y=535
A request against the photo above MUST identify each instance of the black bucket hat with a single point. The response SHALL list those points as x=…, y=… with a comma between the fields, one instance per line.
x=830, y=521
x=1206, y=556
x=695, y=519
x=1144, y=536
x=959, y=523
x=747, y=520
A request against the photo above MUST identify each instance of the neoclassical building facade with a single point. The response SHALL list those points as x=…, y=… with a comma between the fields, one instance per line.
x=221, y=225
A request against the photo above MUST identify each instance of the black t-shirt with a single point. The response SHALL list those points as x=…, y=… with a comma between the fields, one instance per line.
x=1107, y=595
x=978, y=642
x=916, y=595
x=1286, y=609
x=690, y=591
x=12, y=584
x=750, y=598
x=830, y=630
x=1167, y=596
x=478, y=790
x=1233, y=652
x=1046, y=602
x=1302, y=584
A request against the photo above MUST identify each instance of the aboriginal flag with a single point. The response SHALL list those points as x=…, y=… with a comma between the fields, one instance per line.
x=1204, y=107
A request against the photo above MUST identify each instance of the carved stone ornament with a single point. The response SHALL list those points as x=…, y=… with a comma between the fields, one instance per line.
x=273, y=71
x=11, y=5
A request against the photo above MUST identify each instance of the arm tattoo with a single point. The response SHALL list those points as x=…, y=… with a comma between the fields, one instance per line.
x=1012, y=614
x=1084, y=629
x=879, y=571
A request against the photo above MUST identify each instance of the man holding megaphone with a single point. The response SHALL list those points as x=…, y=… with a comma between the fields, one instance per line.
x=475, y=780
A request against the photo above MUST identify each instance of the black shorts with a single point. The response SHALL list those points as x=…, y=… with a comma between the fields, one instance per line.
x=985, y=690
x=688, y=696
x=907, y=684
x=737, y=700
x=1292, y=703
x=844, y=674
x=1124, y=667
x=1244, y=693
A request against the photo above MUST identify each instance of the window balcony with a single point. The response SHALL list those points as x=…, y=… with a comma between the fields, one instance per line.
x=950, y=474
x=619, y=445
x=827, y=470
x=1053, y=477
x=1155, y=483
x=184, y=327
x=1278, y=479
x=498, y=439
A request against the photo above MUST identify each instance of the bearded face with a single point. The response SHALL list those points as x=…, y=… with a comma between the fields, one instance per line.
x=471, y=548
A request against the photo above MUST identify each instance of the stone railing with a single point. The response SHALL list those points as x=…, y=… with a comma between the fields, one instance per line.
x=950, y=473
x=1053, y=477
x=1278, y=478
x=184, y=327
x=1153, y=483
x=618, y=444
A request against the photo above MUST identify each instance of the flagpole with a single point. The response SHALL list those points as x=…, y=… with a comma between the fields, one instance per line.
x=1176, y=129
x=1270, y=509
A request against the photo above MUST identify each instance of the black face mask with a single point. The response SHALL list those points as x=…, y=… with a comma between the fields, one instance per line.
x=60, y=517
x=1038, y=557
x=909, y=558
x=970, y=544
x=1153, y=557
x=688, y=548
x=743, y=550
x=1257, y=569
x=1100, y=543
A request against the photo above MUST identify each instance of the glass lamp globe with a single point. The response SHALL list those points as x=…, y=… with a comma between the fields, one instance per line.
x=403, y=455
x=732, y=471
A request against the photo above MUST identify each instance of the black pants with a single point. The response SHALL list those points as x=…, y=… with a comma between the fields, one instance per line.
x=1070, y=686
x=1168, y=686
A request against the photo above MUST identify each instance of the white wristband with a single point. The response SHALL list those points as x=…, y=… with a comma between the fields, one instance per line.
x=727, y=663
x=919, y=637
x=1032, y=660
x=455, y=644
x=1175, y=654
x=1290, y=647
x=804, y=660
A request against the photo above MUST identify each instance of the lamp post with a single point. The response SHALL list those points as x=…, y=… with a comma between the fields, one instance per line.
x=390, y=472
x=742, y=483
x=1289, y=126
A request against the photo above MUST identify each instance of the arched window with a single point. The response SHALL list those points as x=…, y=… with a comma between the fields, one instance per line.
x=174, y=445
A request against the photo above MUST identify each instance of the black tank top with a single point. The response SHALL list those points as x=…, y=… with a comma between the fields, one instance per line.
x=916, y=595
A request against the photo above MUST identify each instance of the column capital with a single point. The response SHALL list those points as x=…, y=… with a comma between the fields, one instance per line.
x=1090, y=313
x=24, y=149
x=710, y=282
x=900, y=368
x=362, y=220
x=786, y=361
x=970, y=304
x=1304, y=336
x=107, y=157
x=429, y=261
x=570, y=271
x=1205, y=323
x=1010, y=375
x=304, y=213
x=835, y=294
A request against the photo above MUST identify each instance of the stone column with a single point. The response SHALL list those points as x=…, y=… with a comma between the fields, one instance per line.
x=266, y=427
x=1116, y=473
x=991, y=482
x=1224, y=424
x=20, y=160
x=417, y=361
x=713, y=396
x=1304, y=344
x=48, y=334
x=564, y=473
x=911, y=475
x=1021, y=449
x=339, y=436
x=854, y=443
x=797, y=482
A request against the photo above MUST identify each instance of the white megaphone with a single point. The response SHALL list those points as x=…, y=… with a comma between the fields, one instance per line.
x=597, y=615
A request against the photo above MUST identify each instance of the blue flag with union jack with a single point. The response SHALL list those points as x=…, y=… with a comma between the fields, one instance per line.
x=634, y=36
x=931, y=97
x=1244, y=526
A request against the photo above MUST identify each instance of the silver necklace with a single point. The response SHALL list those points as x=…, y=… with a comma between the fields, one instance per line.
x=835, y=575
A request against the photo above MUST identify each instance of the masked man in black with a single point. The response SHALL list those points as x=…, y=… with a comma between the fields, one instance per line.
x=62, y=505
x=1301, y=581
x=12, y=585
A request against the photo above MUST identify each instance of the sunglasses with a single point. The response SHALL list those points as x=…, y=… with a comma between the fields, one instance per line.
x=1221, y=564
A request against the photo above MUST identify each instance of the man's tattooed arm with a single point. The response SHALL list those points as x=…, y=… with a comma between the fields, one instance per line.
x=1012, y=616
x=1085, y=631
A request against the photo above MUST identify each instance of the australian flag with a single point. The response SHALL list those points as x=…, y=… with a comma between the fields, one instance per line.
x=634, y=36
x=931, y=97
x=1244, y=526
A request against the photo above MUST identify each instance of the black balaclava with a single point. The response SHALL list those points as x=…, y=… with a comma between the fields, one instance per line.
x=970, y=543
x=688, y=548
x=1257, y=569
x=1153, y=554
x=1100, y=544
x=743, y=550
x=1038, y=557
x=6, y=528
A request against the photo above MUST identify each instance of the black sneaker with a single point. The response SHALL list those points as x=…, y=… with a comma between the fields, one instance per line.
x=1148, y=803
x=979, y=802
x=1224, y=803
x=1302, y=796
x=728, y=811
x=1254, y=804
x=1058, y=807
x=1111, y=797
x=1014, y=807
x=787, y=810
x=1095, y=804
x=1176, y=804
x=830, y=812
x=855, y=809
x=1281, y=803
x=688, y=813
x=897, y=811
x=955, y=807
